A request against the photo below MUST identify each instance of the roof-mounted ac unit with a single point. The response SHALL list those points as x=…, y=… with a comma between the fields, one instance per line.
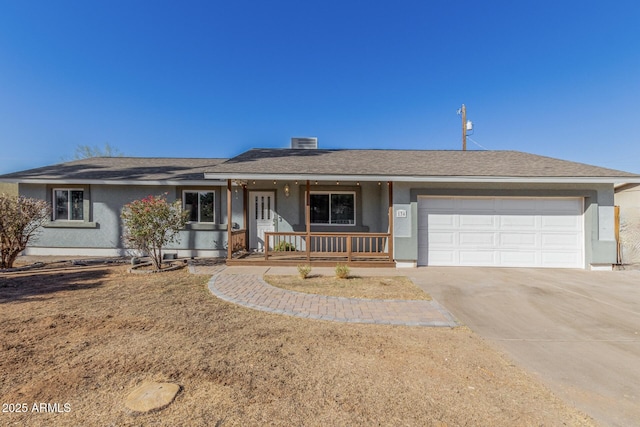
x=305, y=143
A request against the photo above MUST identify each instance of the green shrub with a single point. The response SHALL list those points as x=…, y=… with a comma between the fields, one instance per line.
x=342, y=271
x=304, y=270
x=284, y=247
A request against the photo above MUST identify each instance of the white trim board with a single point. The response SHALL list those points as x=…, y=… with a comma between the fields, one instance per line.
x=113, y=252
x=397, y=178
x=176, y=183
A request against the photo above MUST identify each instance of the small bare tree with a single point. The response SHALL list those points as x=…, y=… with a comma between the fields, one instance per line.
x=20, y=222
x=87, y=151
x=151, y=223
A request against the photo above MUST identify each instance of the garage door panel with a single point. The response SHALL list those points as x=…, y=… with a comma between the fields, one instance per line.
x=519, y=240
x=560, y=222
x=477, y=258
x=481, y=239
x=475, y=221
x=518, y=222
x=559, y=240
x=518, y=258
x=501, y=231
x=437, y=221
x=445, y=238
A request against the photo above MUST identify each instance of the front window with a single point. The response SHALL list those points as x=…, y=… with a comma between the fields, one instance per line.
x=333, y=208
x=199, y=204
x=68, y=205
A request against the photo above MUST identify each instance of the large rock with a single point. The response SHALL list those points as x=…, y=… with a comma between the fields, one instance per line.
x=151, y=396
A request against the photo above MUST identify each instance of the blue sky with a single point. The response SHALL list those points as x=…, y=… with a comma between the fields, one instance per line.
x=214, y=78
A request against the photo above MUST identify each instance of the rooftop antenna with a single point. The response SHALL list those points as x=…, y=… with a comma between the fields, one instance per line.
x=467, y=125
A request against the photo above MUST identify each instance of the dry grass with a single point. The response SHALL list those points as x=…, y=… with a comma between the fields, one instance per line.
x=87, y=338
x=397, y=287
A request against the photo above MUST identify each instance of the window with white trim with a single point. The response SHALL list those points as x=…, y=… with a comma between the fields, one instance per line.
x=333, y=208
x=68, y=204
x=200, y=205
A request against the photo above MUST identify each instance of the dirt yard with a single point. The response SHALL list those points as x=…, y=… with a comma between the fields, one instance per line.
x=398, y=287
x=87, y=338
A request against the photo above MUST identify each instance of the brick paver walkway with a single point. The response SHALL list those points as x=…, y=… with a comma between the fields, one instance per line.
x=249, y=290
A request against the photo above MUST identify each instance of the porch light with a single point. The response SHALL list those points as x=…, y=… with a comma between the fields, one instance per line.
x=274, y=183
x=287, y=190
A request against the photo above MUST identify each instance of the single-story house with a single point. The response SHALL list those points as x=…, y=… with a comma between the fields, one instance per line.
x=364, y=207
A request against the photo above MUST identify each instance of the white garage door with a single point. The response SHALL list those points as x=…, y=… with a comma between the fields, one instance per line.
x=500, y=231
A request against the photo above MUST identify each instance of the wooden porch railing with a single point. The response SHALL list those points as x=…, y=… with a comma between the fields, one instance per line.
x=238, y=240
x=350, y=246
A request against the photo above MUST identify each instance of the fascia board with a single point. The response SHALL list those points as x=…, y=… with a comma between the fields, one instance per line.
x=436, y=179
x=625, y=184
x=208, y=183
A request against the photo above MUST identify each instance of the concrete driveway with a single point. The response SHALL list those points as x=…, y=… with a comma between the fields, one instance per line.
x=579, y=331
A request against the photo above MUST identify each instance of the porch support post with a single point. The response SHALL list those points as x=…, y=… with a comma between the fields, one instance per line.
x=229, y=243
x=245, y=216
x=307, y=219
x=390, y=244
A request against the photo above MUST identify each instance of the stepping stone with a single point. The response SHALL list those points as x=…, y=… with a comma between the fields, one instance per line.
x=151, y=396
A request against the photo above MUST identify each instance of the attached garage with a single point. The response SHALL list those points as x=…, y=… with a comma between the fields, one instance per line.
x=501, y=232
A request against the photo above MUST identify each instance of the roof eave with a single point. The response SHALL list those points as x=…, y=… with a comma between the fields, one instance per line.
x=171, y=182
x=404, y=178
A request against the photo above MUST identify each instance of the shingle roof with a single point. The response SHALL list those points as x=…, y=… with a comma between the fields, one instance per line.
x=121, y=169
x=381, y=163
x=418, y=163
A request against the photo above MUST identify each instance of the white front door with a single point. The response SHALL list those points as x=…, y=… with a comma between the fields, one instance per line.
x=261, y=217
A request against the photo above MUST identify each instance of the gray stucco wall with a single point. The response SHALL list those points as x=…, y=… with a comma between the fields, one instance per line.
x=102, y=227
x=600, y=247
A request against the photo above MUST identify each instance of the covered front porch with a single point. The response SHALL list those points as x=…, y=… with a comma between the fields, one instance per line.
x=321, y=223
